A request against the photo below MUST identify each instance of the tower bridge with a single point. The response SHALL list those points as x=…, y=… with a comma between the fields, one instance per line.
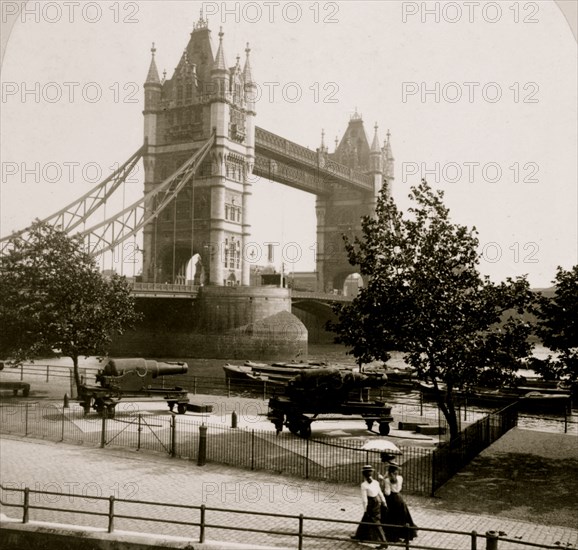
x=202, y=152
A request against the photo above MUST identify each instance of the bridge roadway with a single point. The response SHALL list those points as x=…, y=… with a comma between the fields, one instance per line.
x=165, y=290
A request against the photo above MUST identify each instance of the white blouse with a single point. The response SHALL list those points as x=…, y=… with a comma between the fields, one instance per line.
x=371, y=490
x=392, y=487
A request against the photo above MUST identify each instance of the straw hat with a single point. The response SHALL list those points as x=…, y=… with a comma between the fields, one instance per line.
x=367, y=468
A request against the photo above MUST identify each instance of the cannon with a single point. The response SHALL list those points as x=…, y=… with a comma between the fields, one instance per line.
x=328, y=390
x=133, y=380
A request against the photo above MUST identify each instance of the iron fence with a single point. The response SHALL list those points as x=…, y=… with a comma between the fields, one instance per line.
x=127, y=514
x=318, y=459
x=452, y=456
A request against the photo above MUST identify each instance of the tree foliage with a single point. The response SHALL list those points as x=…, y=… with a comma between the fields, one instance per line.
x=557, y=327
x=52, y=297
x=425, y=296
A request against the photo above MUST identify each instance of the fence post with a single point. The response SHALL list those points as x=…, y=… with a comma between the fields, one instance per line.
x=474, y=541
x=47, y=373
x=26, y=420
x=62, y=430
x=25, y=510
x=139, y=432
x=307, y=459
x=433, y=473
x=252, y=449
x=202, y=458
x=491, y=540
x=300, y=535
x=111, y=513
x=233, y=419
x=202, y=526
x=173, y=436
x=21, y=372
x=103, y=429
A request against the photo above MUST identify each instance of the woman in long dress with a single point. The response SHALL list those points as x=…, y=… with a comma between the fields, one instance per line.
x=373, y=499
x=396, y=513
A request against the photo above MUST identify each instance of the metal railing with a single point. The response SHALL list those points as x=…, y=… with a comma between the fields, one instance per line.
x=164, y=288
x=298, y=527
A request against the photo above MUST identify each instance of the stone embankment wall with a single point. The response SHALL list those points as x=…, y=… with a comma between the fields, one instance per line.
x=222, y=323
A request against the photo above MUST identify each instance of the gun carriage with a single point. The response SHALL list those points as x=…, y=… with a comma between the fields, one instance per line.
x=133, y=380
x=322, y=391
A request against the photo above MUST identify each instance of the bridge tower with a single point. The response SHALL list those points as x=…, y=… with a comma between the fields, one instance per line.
x=208, y=224
x=341, y=211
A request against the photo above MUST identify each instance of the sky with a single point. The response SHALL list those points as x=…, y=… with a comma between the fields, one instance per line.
x=479, y=97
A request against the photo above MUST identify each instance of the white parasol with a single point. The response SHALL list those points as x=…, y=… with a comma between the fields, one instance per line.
x=382, y=445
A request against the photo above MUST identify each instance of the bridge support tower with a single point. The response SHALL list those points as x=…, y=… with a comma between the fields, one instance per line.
x=200, y=238
x=340, y=211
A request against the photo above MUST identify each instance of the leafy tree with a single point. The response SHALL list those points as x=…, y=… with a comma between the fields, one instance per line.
x=52, y=297
x=557, y=327
x=424, y=296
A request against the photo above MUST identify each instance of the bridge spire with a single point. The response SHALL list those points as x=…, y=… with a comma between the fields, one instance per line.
x=389, y=162
x=375, y=148
x=153, y=74
x=323, y=148
x=202, y=23
x=220, y=64
x=247, y=74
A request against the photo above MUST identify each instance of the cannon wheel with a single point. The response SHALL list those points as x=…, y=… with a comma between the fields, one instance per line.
x=383, y=428
x=295, y=423
x=294, y=426
x=181, y=408
x=305, y=430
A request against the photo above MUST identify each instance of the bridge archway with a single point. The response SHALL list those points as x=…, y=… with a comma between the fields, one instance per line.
x=181, y=265
x=347, y=282
x=315, y=315
x=351, y=284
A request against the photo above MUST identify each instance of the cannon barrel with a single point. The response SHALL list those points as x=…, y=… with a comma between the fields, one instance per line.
x=312, y=380
x=143, y=367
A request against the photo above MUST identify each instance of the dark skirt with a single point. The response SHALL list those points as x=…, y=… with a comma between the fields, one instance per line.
x=371, y=515
x=397, y=513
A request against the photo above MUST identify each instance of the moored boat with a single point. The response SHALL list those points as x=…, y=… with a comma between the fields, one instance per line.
x=529, y=399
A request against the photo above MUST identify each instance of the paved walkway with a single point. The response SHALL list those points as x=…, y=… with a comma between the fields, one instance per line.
x=80, y=471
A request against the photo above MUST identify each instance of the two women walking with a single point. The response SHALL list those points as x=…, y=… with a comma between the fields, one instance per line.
x=382, y=504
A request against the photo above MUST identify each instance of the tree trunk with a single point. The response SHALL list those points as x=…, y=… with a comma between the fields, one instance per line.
x=76, y=373
x=446, y=405
x=453, y=423
x=451, y=415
